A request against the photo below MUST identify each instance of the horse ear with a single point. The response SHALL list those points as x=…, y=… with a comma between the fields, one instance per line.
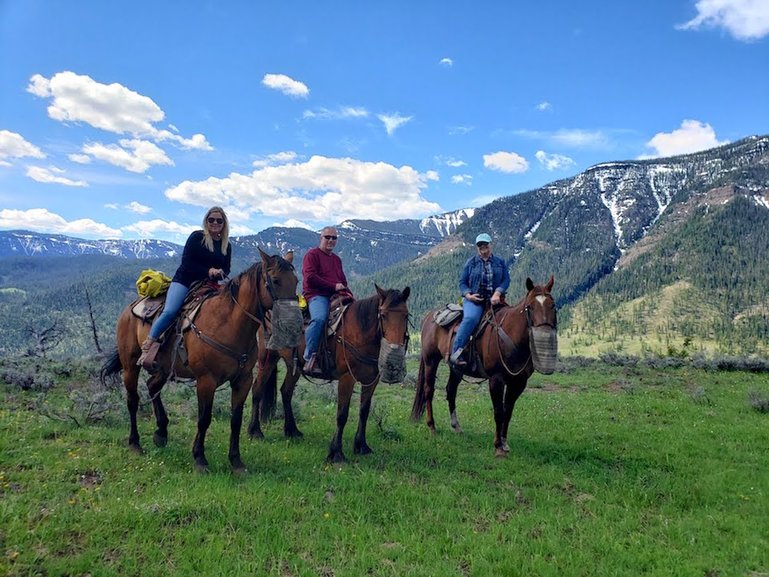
x=405, y=293
x=265, y=256
x=529, y=284
x=381, y=292
x=289, y=256
x=549, y=285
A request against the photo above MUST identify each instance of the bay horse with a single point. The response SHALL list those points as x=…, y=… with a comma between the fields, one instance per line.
x=368, y=345
x=517, y=340
x=220, y=347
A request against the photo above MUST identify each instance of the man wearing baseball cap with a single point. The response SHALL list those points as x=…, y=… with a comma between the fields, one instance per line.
x=484, y=279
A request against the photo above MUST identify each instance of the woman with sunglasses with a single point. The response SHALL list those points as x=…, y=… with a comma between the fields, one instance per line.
x=207, y=255
x=322, y=278
x=484, y=279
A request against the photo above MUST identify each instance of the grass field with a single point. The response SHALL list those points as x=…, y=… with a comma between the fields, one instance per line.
x=612, y=471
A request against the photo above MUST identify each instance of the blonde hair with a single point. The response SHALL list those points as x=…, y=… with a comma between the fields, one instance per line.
x=208, y=241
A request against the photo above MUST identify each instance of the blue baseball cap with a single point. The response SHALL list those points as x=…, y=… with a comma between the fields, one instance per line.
x=483, y=237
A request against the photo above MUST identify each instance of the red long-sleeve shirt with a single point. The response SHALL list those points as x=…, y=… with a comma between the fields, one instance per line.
x=320, y=273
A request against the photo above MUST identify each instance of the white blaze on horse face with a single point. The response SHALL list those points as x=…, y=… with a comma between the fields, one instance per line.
x=541, y=299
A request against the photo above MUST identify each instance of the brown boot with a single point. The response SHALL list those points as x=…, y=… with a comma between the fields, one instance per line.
x=312, y=367
x=150, y=348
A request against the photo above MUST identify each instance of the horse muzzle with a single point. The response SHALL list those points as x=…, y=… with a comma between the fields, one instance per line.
x=543, y=342
x=286, y=324
x=392, y=362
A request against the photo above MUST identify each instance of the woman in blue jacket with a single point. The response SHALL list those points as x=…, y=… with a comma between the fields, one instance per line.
x=484, y=278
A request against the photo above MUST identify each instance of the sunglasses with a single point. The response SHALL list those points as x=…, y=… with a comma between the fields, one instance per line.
x=482, y=244
x=330, y=236
x=215, y=220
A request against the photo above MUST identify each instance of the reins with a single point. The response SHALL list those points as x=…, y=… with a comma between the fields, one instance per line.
x=502, y=335
x=358, y=356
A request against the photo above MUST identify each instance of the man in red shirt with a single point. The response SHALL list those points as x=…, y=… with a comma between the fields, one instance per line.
x=322, y=277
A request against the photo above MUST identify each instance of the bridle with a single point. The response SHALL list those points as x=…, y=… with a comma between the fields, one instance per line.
x=365, y=359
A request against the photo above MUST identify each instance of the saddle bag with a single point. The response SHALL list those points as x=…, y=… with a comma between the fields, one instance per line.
x=447, y=315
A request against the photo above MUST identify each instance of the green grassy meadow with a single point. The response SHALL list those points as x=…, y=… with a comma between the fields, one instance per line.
x=612, y=471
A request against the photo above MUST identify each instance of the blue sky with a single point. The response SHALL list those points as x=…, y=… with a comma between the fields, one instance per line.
x=128, y=120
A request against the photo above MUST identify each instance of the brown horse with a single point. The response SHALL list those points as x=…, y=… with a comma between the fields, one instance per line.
x=368, y=346
x=220, y=347
x=517, y=340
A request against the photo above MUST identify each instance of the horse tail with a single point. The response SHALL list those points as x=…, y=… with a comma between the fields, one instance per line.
x=269, y=396
x=418, y=408
x=108, y=375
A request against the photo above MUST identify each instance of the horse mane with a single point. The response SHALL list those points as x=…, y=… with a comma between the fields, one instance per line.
x=254, y=271
x=367, y=310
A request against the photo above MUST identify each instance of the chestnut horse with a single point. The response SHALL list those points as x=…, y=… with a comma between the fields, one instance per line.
x=517, y=340
x=220, y=347
x=368, y=346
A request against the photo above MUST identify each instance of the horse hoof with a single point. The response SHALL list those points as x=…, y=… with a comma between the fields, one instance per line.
x=457, y=429
x=240, y=471
x=135, y=449
x=160, y=440
x=296, y=434
x=201, y=468
x=336, y=458
x=500, y=453
x=256, y=435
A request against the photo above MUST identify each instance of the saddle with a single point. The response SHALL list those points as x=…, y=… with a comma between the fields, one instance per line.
x=149, y=308
x=474, y=365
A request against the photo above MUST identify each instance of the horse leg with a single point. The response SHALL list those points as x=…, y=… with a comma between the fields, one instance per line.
x=431, y=372
x=131, y=384
x=290, y=429
x=264, y=373
x=360, y=447
x=344, y=393
x=238, y=399
x=451, y=396
x=206, y=387
x=155, y=385
x=497, y=393
x=513, y=390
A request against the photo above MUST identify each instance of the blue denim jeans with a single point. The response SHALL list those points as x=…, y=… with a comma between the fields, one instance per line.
x=471, y=317
x=174, y=301
x=318, y=307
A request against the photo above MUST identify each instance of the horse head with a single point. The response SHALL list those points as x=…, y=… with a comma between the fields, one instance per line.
x=393, y=319
x=542, y=322
x=277, y=292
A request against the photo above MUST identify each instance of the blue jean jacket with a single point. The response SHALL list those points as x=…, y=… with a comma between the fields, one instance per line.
x=472, y=273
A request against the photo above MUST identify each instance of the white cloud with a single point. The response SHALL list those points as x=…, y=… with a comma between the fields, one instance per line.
x=51, y=175
x=42, y=220
x=461, y=130
x=553, y=161
x=743, y=19
x=13, y=145
x=80, y=158
x=133, y=155
x=286, y=85
x=509, y=162
x=569, y=137
x=150, y=228
x=454, y=163
x=320, y=189
x=462, y=179
x=393, y=121
x=138, y=208
x=693, y=136
x=446, y=62
x=109, y=107
x=543, y=106
x=340, y=113
x=277, y=158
